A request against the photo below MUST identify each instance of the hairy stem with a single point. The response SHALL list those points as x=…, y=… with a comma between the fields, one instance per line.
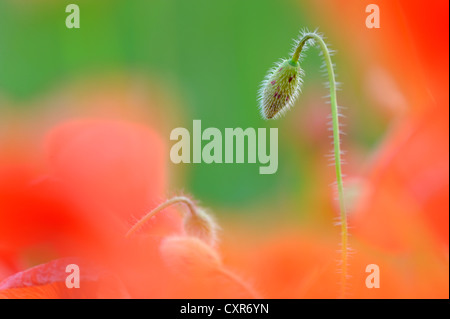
x=337, y=146
x=175, y=200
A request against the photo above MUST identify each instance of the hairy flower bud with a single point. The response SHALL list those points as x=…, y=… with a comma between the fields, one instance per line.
x=202, y=226
x=280, y=89
x=197, y=223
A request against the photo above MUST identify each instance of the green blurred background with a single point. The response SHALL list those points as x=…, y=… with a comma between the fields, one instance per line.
x=212, y=55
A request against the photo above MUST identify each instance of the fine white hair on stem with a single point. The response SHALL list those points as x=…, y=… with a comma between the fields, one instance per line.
x=271, y=106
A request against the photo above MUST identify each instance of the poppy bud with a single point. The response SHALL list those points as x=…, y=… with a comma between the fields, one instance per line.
x=197, y=222
x=202, y=226
x=280, y=89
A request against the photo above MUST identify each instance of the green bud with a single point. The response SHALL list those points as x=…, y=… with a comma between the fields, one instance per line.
x=280, y=89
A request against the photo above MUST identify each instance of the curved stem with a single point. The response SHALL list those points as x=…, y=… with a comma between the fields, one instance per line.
x=175, y=200
x=337, y=146
x=191, y=206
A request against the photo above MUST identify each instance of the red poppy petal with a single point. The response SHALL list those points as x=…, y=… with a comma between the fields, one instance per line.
x=49, y=281
x=197, y=272
x=117, y=167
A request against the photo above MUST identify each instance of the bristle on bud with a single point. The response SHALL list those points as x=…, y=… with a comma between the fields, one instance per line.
x=202, y=226
x=280, y=89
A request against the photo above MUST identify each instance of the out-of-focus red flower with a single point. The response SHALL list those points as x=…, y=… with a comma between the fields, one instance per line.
x=155, y=267
x=49, y=281
x=100, y=175
x=411, y=45
x=404, y=206
x=97, y=178
x=408, y=187
x=296, y=263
